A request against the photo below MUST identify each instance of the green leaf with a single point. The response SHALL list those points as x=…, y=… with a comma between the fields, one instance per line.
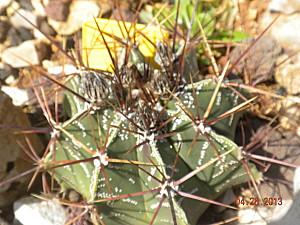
x=233, y=36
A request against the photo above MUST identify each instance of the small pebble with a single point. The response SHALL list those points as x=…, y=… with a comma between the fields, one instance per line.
x=4, y=27
x=58, y=10
x=18, y=21
x=13, y=38
x=19, y=96
x=26, y=54
x=286, y=30
x=39, y=7
x=73, y=196
x=25, y=34
x=26, y=4
x=284, y=6
x=6, y=71
x=4, y=4
x=288, y=77
x=80, y=12
x=31, y=211
x=46, y=28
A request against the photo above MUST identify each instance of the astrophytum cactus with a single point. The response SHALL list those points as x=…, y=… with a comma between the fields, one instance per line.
x=128, y=172
x=145, y=146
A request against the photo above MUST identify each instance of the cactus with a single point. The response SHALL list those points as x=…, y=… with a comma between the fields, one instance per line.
x=149, y=147
x=146, y=142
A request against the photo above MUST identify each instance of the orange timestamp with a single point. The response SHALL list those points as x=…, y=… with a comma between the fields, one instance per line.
x=255, y=201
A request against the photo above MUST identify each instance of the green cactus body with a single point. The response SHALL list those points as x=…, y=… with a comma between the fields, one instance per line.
x=130, y=174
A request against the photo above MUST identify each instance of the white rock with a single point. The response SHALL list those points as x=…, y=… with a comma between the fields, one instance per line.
x=55, y=68
x=66, y=69
x=291, y=213
x=39, y=8
x=285, y=214
x=19, y=96
x=11, y=80
x=31, y=211
x=288, y=77
x=26, y=54
x=290, y=112
x=80, y=12
x=18, y=21
x=286, y=30
x=252, y=216
x=296, y=185
x=284, y=6
x=263, y=215
x=4, y=4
